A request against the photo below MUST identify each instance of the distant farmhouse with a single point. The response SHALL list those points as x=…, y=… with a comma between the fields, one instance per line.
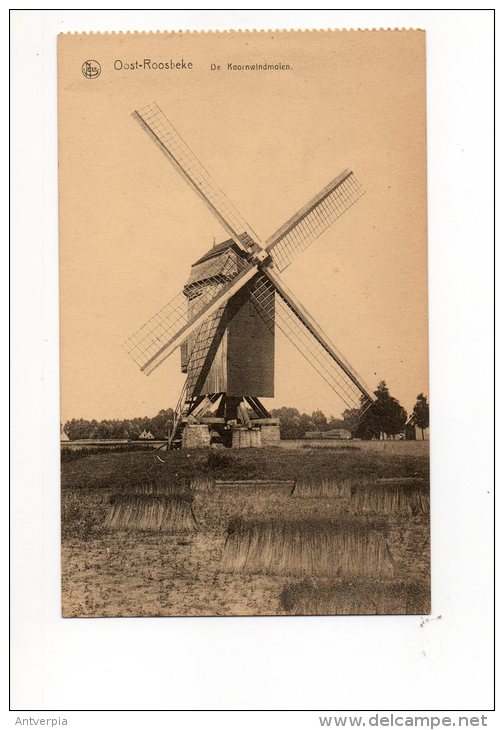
x=146, y=436
x=333, y=433
x=64, y=436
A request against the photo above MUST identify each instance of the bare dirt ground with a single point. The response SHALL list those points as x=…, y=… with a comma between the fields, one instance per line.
x=129, y=572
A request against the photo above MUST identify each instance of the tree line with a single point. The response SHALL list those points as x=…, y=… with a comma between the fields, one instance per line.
x=127, y=428
x=386, y=417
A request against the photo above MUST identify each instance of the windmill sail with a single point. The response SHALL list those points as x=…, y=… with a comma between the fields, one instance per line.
x=313, y=219
x=164, y=134
x=300, y=328
x=173, y=324
x=195, y=318
x=201, y=349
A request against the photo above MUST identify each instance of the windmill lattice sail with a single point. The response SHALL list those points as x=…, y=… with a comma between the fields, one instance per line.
x=226, y=351
x=156, y=336
x=282, y=313
x=197, y=346
x=198, y=350
x=164, y=134
x=310, y=222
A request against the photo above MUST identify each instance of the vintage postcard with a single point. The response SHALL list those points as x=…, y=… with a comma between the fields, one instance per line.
x=244, y=334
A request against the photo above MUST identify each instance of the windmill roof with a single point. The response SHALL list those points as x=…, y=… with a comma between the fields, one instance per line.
x=222, y=262
x=216, y=250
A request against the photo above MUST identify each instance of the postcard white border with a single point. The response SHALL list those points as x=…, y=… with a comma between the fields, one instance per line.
x=320, y=664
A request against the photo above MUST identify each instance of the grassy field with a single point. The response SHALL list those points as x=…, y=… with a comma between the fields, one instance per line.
x=315, y=530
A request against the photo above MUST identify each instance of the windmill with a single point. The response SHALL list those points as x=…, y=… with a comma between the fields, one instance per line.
x=224, y=318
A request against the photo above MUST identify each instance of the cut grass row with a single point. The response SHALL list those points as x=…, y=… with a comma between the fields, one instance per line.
x=340, y=558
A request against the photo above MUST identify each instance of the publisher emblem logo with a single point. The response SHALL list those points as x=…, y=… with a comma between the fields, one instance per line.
x=91, y=69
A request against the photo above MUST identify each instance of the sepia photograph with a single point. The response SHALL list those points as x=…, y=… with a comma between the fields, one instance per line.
x=244, y=424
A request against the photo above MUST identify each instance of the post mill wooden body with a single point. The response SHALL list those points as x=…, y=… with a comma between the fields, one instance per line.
x=224, y=319
x=240, y=361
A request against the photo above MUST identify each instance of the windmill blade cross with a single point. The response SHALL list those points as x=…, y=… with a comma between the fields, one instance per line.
x=166, y=137
x=313, y=219
x=195, y=315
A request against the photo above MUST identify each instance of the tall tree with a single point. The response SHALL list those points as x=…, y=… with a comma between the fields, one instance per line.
x=420, y=417
x=289, y=421
x=351, y=419
x=320, y=420
x=384, y=417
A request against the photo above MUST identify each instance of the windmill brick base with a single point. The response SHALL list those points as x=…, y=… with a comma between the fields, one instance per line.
x=225, y=420
x=195, y=436
x=198, y=436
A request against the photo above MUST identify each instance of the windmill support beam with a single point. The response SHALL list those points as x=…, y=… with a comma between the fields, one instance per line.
x=317, y=332
x=257, y=407
x=204, y=403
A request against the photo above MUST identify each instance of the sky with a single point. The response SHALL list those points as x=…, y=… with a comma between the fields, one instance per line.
x=130, y=228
